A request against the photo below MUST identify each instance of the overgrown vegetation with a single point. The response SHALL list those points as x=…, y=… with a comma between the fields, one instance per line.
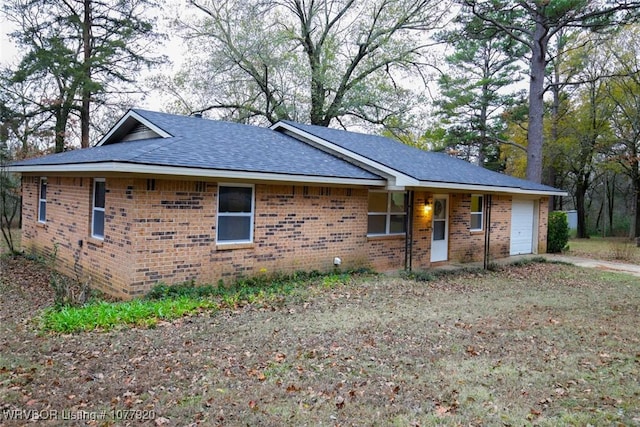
x=610, y=248
x=623, y=250
x=9, y=200
x=167, y=302
x=557, y=232
x=67, y=291
x=108, y=315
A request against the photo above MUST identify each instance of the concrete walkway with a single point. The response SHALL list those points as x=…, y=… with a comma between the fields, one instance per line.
x=633, y=269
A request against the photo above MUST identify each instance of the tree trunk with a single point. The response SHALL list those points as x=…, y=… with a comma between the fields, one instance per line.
x=611, y=189
x=86, y=81
x=581, y=191
x=535, y=136
x=636, y=204
x=60, y=129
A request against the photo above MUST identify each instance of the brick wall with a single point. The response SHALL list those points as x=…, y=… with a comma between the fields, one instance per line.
x=108, y=263
x=543, y=222
x=295, y=228
x=165, y=230
x=500, y=237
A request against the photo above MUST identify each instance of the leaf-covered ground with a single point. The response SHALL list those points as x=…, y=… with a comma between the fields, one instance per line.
x=540, y=344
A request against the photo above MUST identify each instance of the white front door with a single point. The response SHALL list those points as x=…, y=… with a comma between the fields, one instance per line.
x=440, y=228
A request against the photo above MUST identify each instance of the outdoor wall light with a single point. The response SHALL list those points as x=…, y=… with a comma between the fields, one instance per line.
x=427, y=206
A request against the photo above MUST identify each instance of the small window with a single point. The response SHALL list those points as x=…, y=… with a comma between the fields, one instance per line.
x=42, y=201
x=235, y=214
x=387, y=212
x=476, y=212
x=97, y=209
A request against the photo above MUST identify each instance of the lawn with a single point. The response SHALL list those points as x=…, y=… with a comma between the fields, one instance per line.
x=608, y=248
x=538, y=344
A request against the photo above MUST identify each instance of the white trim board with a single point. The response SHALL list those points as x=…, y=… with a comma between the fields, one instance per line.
x=121, y=167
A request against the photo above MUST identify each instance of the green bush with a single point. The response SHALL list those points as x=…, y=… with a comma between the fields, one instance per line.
x=557, y=232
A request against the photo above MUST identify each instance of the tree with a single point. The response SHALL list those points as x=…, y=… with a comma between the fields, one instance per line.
x=9, y=196
x=579, y=123
x=473, y=95
x=78, y=52
x=534, y=23
x=311, y=61
x=624, y=93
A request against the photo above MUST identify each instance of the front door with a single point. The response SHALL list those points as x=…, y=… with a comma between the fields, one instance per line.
x=440, y=228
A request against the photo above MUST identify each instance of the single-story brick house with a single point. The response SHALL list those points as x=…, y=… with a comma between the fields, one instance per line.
x=169, y=198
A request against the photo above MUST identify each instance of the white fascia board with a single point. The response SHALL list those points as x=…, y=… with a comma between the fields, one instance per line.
x=118, y=167
x=489, y=189
x=139, y=118
x=396, y=178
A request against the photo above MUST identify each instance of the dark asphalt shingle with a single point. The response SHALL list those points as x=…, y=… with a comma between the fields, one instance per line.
x=210, y=144
x=419, y=164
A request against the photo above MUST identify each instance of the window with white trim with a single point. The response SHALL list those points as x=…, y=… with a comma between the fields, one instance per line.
x=387, y=213
x=42, y=200
x=477, y=204
x=235, y=213
x=97, y=208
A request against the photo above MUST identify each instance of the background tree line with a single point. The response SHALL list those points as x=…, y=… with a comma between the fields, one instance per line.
x=544, y=90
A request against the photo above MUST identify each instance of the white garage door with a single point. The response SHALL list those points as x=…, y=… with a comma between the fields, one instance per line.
x=522, y=221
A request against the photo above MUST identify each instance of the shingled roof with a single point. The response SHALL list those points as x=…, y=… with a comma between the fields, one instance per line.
x=201, y=145
x=431, y=169
x=150, y=142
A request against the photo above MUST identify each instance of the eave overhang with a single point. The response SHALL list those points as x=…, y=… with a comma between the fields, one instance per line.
x=155, y=170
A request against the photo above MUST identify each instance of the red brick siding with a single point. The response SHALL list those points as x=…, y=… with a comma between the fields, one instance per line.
x=543, y=222
x=464, y=245
x=500, y=235
x=109, y=264
x=168, y=233
x=295, y=228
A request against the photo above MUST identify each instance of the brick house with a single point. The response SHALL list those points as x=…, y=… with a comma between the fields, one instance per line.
x=168, y=198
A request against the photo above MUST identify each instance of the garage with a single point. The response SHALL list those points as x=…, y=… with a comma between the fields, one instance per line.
x=522, y=226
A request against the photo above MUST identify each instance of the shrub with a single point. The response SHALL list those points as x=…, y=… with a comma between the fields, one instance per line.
x=557, y=232
x=622, y=251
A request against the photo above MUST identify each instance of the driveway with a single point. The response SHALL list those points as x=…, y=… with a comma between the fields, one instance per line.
x=633, y=269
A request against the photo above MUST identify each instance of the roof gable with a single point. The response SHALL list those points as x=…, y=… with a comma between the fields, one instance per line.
x=132, y=127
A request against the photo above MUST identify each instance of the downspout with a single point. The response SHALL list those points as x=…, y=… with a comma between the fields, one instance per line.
x=408, y=240
x=487, y=233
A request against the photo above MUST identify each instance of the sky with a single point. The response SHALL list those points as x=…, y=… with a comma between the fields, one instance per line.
x=9, y=54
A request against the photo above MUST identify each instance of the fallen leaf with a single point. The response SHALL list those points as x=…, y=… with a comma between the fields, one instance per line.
x=442, y=410
x=471, y=350
x=161, y=421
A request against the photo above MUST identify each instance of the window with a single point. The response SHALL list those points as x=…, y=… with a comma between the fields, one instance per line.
x=235, y=214
x=42, y=201
x=476, y=212
x=387, y=212
x=97, y=208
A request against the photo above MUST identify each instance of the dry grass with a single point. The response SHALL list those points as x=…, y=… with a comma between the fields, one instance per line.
x=540, y=344
x=15, y=233
x=610, y=248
